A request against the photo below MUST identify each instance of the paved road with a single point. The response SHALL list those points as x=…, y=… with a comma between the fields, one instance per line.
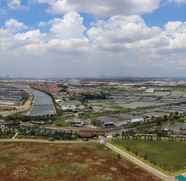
x=138, y=162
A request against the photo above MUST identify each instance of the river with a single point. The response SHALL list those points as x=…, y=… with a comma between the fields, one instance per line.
x=42, y=104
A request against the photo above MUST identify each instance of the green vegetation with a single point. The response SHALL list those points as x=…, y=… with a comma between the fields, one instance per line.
x=169, y=156
x=94, y=115
x=24, y=118
x=60, y=121
x=180, y=88
x=63, y=88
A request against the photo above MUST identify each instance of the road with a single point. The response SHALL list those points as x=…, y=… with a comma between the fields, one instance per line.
x=19, y=109
x=141, y=164
x=14, y=137
x=43, y=141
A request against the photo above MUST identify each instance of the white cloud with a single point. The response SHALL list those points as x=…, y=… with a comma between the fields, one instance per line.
x=65, y=34
x=176, y=31
x=71, y=26
x=120, y=31
x=14, y=26
x=14, y=4
x=173, y=26
x=70, y=45
x=6, y=40
x=117, y=33
x=103, y=7
x=120, y=42
x=30, y=36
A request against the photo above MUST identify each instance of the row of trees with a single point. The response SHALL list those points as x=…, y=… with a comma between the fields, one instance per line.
x=84, y=97
x=39, y=132
x=161, y=135
x=47, y=132
x=25, y=118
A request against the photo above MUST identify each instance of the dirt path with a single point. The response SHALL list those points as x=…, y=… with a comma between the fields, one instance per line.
x=43, y=141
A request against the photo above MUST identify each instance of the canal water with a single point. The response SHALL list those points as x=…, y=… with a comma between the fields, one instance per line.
x=181, y=178
x=42, y=104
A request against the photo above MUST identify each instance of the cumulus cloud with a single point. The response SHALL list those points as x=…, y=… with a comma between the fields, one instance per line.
x=70, y=26
x=14, y=26
x=119, y=42
x=65, y=34
x=30, y=36
x=120, y=31
x=103, y=7
x=176, y=31
x=116, y=33
x=173, y=26
x=131, y=32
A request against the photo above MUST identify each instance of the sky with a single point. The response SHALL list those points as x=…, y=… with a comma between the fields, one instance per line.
x=92, y=38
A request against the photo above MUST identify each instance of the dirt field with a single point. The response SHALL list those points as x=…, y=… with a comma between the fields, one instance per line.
x=67, y=162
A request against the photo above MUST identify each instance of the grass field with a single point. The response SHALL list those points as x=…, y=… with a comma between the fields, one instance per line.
x=170, y=156
x=65, y=162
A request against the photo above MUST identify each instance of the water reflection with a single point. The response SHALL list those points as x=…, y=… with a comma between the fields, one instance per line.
x=42, y=104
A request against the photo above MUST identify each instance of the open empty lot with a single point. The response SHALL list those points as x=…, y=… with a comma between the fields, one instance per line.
x=65, y=162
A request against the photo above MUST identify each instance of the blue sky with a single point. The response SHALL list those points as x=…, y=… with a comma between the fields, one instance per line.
x=167, y=12
x=60, y=38
x=33, y=13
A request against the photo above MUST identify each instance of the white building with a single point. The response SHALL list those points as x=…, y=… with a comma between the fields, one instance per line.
x=150, y=90
x=137, y=120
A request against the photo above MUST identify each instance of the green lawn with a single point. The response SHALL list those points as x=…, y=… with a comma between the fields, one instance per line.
x=169, y=156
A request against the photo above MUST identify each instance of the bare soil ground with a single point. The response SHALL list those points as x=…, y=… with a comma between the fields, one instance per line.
x=65, y=162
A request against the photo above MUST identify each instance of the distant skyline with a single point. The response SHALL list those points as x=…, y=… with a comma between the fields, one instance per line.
x=86, y=38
